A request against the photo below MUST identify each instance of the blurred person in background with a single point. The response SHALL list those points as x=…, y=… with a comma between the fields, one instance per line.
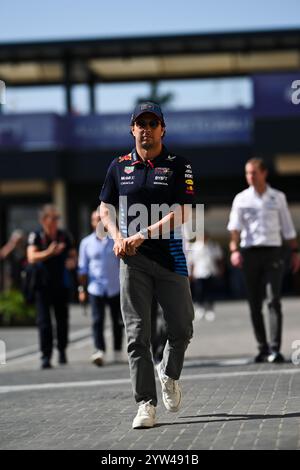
x=206, y=263
x=14, y=253
x=52, y=255
x=98, y=275
x=259, y=219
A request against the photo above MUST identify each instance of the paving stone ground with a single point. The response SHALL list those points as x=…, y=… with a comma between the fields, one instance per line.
x=228, y=401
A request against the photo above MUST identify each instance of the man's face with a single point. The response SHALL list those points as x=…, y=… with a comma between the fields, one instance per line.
x=51, y=220
x=254, y=175
x=148, y=131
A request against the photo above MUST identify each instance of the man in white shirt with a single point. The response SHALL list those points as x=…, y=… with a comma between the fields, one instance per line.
x=259, y=219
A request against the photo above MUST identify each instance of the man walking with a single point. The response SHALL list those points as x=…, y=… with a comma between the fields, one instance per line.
x=259, y=219
x=152, y=259
x=51, y=253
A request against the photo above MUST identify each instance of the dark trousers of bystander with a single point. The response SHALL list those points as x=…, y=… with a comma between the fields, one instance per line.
x=47, y=298
x=98, y=304
x=263, y=269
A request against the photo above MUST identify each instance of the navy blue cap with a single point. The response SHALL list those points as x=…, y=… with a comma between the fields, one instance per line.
x=148, y=107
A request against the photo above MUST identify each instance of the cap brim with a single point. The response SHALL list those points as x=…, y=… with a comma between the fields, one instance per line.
x=147, y=112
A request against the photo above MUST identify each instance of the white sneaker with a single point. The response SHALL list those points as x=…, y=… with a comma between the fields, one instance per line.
x=171, y=393
x=199, y=313
x=98, y=358
x=210, y=315
x=145, y=417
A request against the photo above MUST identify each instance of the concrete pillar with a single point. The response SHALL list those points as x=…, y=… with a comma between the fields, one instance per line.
x=92, y=97
x=68, y=87
x=60, y=199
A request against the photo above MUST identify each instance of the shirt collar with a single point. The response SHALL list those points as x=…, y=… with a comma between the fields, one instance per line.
x=266, y=193
x=136, y=158
x=104, y=239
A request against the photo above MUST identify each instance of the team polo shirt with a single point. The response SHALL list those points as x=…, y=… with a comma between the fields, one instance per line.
x=262, y=219
x=167, y=179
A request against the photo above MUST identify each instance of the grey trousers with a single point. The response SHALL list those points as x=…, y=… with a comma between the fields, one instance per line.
x=141, y=279
x=263, y=269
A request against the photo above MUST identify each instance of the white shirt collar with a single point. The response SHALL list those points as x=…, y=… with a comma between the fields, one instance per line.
x=255, y=193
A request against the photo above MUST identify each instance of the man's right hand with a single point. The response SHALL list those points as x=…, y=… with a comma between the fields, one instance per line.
x=119, y=248
x=236, y=259
x=55, y=249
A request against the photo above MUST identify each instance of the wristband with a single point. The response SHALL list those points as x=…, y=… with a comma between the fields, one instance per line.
x=234, y=251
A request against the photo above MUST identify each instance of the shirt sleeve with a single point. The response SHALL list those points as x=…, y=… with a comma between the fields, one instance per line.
x=184, y=192
x=287, y=226
x=33, y=239
x=235, y=217
x=110, y=192
x=83, y=261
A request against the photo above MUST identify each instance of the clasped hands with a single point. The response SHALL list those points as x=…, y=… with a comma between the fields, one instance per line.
x=128, y=246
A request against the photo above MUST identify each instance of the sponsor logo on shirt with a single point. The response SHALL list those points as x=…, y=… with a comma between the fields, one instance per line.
x=171, y=157
x=161, y=178
x=271, y=205
x=128, y=169
x=189, y=189
x=162, y=171
x=127, y=178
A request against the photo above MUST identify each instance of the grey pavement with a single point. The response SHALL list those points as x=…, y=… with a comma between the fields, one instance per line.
x=228, y=401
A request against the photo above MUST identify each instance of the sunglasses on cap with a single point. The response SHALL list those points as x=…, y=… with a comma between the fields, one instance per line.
x=142, y=123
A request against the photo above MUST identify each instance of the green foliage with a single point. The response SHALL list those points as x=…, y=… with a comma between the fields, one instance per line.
x=163, y=99
x=14, y=310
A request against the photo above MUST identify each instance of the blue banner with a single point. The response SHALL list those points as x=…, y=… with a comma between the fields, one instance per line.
x=215, y=127
x=98, y=131
x=112, y=131
x=276, y=95
x=39, y=131
x=186, y=128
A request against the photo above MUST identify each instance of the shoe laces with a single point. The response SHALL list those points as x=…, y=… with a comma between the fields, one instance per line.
x=171, y=385
x=147, y=406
